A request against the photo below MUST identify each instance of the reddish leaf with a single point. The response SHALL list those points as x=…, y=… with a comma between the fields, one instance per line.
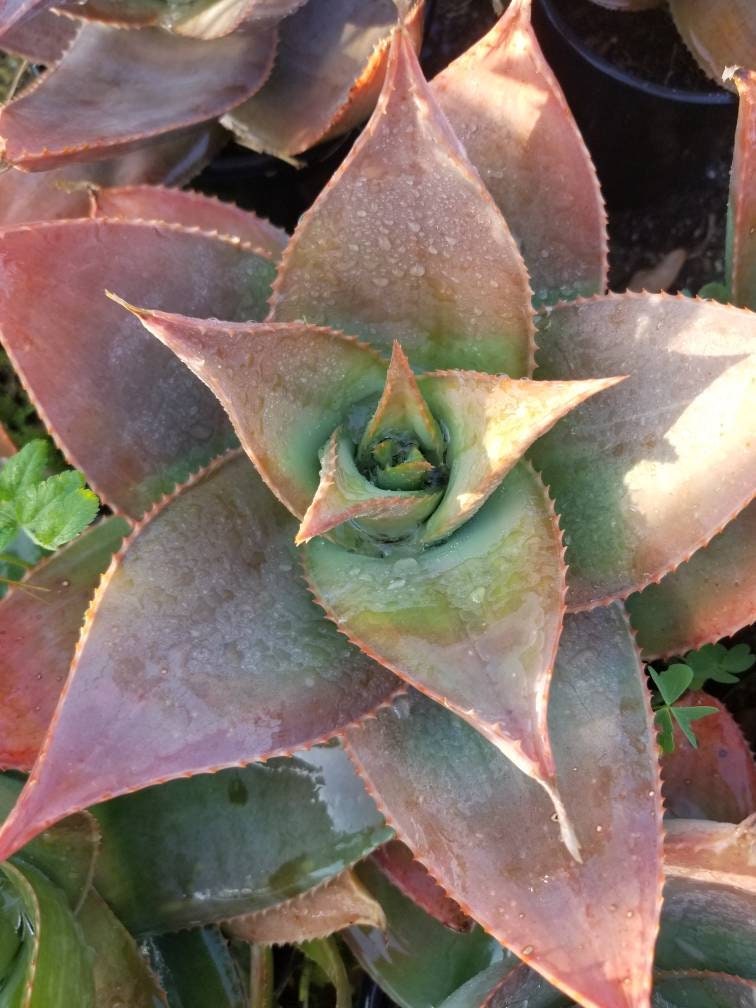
x=199, y=18
x=396, y=862
x=340, y=903
x=709, y=851
x=63, y=192
x=473, y=622
x=330, y=65
x=7, y=448
x=487, y=834
x=710, y=596
x=12, y=11
x=719, y=33
x=142, y=84
x=642, y=475
x=405, y=243
x=233, y=662
x=42, y=38
x=741, y=263
x=509, y=112
x=285, y=388
x=191, y=209
x=491, y=422
x=39, y=626
x=718, y=779
x=123, y=409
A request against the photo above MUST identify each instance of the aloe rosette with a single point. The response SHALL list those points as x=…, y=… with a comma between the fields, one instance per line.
x=384, y=562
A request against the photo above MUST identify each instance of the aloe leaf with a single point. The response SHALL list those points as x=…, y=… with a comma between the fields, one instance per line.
x=717, y=780
x=473, y=622
x=124, y=410
x=348, y=42
x=12, y=11
x=696, y=848
x=285, y=388
x=708, y=925
x=490, y=423
x=7, y=447
x=741, y=257
x=508, y=110
x=642, y=479
x=216, y=846
x=40, y=621
x=399, y=866
x=52, y=967
x=417, y=961
x=701, y=989
x=63, y=192
x=190, y=209
x=344, y=495
x=42, y=37
x=146, y=82
x=206, y=19
x=719, y=33
x=337, y=904
x=65, y=854
x=196, y=970
x=486, y=832
x=513, y=986
x=233, y=662
x=710, y=596
x=120, y=973
x=405, y=243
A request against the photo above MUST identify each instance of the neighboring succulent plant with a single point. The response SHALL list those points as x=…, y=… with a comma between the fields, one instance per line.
x=431, y=544
x=718, y=33
x=167, y=66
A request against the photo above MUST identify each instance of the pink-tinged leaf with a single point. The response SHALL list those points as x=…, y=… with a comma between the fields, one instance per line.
x=509, y=112
x=12, y=11
x=341, y=903
x=41, y=38
x=26, y=197
x=719, y=33
x=397, y=863
x=718, y=779
x=491, y=422
x=40, y=621
x=520, y=985
x=330, y=65
x=345, y=495
x=486, y=832
x=206, y=19
x=710, y=596
x=120, y=405
x=7, y=448
x=725, y=852
x=646, y=473
x=232, y=663
x=192, y=209
x=473, y=622
x=741, y=260
x=405, y=244
x=285, y=388
x=702, y=989
x=142, y=84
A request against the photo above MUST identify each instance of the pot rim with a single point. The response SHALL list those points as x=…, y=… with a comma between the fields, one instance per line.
x=717, y=96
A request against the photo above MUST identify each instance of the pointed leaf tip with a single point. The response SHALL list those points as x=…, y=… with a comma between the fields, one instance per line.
x=406, y=243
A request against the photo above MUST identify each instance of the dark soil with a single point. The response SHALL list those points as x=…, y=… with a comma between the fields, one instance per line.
x=643, y=43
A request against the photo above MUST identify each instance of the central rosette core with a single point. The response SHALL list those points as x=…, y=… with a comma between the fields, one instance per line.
x=385, y=480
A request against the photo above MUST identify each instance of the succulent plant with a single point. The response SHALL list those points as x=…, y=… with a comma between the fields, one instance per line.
x=157, y=68
x=383, y=563
x=718, y=33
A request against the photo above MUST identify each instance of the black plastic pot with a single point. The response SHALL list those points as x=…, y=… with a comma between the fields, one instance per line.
x=645, y=138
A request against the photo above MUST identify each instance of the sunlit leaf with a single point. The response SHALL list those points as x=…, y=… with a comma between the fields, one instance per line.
x=741, y=259
x=719, y=33
x=405, y=243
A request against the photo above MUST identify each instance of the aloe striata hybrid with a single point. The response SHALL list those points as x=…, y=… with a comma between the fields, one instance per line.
x=459, y=459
